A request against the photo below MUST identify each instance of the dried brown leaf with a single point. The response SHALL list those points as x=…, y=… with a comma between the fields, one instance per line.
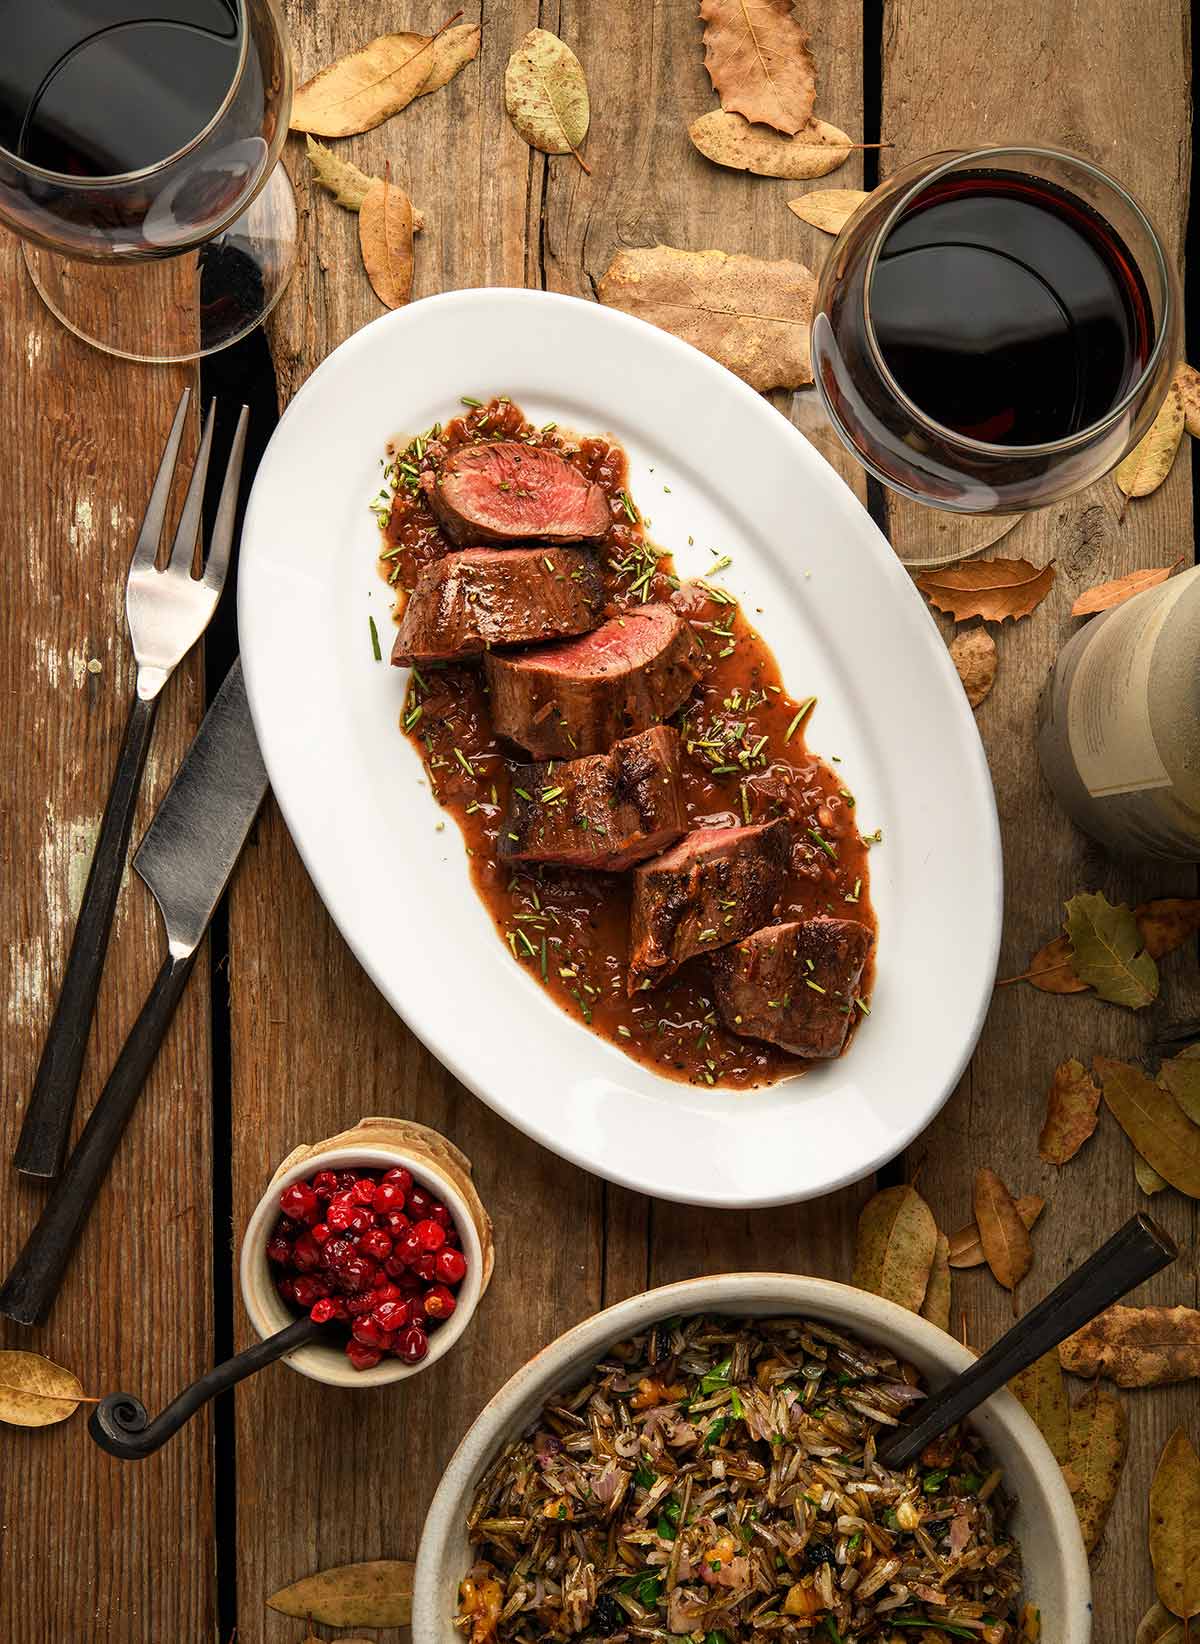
x=452, y=50
x=348, y=185
x=1167, y=923
x=895, y=1248
x=1099, y=1438
x=1159, y=1626
x=385, y=237
x=1003, y=1234
x=1137, y=1346
x=1105, y=595
x=966, y=1247
x=34, y=1392
x=1181, y=1076
x=750, y=315
x=1072, y=1112
x=1187, y=380
x=546, y=94
x=1150, y=461
x=828, y=209
x=1043, y=1392
x=363, y=89
x=1147, y=1178
x=1154, y=1122
x=936, y=1306
x=1175, y=1526
x=376, y=1594
x=1050, y=970
x=727, y=140
x=994, y=589
x=1107, y=951
x=758, y=59
x=974, y=656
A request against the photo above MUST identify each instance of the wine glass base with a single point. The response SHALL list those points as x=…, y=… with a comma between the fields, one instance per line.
x=166, y=310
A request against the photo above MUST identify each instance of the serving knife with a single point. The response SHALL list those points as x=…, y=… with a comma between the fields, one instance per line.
x=186, y=858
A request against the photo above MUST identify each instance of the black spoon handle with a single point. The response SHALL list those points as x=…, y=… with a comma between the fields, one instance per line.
x=33, y=1282
x=1139, y=1250
x=47, y=1123
x=120, y=1425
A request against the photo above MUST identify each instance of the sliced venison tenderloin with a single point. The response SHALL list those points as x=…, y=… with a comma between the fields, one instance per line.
x=713, y=887
x=794, y=984
x=505, y=492
x=464, y=603
x=607, y=811
x=581, y=696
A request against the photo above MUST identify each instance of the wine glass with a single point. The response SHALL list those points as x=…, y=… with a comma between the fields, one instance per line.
x=995, y=329
x=138, y=150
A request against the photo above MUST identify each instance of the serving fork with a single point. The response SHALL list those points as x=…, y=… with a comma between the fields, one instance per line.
x=166, y=610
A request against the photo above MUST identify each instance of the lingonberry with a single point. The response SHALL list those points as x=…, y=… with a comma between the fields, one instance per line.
x=375, y=1242
x=361, y=1356
x=345, y=1180
x=336, y=1251
x=363, y=1191
x=345, y=1217
x=365, y=1330
x=322, y=1311
x=358, y=1273
x=287, y=1289
x=393, y=1222
x=394, y=1267
x=388, y=1196
x=419, y=1202
x=409, y=1246
x=411, y=1344
x=324, y=1184
x=386, y=1292
x=362, y=1301
x=439, y=1214
x=279, y=1250
x=306, y=1290
x=299, y=1202
x=425, y=1266
x=401, y=1177
x=432, y=1235
x=439, y=1302
x=451, y=1265
x=306, y=1253
x=391, y=1315
x=321, y=1232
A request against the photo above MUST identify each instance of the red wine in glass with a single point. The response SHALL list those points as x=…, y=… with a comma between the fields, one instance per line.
x=987, y=337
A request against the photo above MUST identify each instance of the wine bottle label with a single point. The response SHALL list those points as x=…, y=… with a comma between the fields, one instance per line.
x=1108, y=709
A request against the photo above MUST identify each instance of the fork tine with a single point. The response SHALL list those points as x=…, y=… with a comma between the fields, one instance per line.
x=145, y=550
x=217, y=563
x=183, y=548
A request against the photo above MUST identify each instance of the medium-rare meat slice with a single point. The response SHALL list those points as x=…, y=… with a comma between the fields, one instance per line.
x=467, y=602
x=505, y=492
x=713, y=887
x=607, y=811
x=583, y=695
x=794, y=984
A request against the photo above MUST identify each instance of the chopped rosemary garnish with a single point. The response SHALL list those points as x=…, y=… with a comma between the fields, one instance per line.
x=819, y=839
x=375, y=651
x=467, y=400
x=802, y=712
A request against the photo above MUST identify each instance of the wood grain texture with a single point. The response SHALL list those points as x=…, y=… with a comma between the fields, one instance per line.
x=1079, y=78
x=92, y=1547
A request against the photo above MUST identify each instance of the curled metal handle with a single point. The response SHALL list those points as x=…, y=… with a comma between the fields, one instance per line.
x=120, y=1425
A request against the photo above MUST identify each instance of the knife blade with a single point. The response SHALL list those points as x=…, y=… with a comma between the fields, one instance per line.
x=190, y=848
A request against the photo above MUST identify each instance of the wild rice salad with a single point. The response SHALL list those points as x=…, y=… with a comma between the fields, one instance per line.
x=716, y=1478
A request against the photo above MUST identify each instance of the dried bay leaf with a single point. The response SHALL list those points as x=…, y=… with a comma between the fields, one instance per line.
x=1106, y=595
x=1050, y=970
x=1167, y=923
x=1043, y=1392
x=1099, y=1437
x=1181, y=1076
x=385, y=236
x=365, y=88
x=750, y=315
x=451, y=51
x=936, y=1306
x=1147, y=1178
x=375, y=1594
x=1072, y=1112
x=973, y=654
x=546, y=94
x=1154, y=1122
x=1175, y=1526
x=1187, y=379
x=828, y=209
x=966, y=1247
x=1007, y=1246
x=1149, y=463
x=758, y=59
x=895, y=1247
x=1159, y=1626
x=994, y=589
x=1137, y=1346
x=727, y=140
x=35, y=1392
x=1107, y=951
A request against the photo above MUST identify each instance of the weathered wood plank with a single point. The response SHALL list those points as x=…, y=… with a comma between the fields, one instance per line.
x=1082, y=79
x=93, y=1546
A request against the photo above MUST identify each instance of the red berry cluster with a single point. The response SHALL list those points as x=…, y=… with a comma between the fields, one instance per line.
x=372, y=1250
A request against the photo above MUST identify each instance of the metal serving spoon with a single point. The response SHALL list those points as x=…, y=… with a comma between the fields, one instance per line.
x=1139, y=1250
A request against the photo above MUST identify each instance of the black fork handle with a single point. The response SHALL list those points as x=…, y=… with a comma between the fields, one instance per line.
x=33, y=1283
x=42, y=1144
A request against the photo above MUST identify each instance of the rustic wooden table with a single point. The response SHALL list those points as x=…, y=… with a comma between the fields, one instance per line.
x=284, y=1039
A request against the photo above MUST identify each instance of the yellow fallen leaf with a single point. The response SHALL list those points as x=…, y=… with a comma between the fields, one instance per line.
x=1181, y=1076
x=1043, y=1392
x=966, y=1247
x=375, y=1594
x=1050, y=970
x=35, y=1392
x=1149, y=463
x=1175, y=1526
x=1108, y=951
x=1007, y=1246
x=546, y=95
x=1147, y=1178
x=365, y=88
x=1154, y=1122
x=1187, y=380
x=828, y=209
x=758, y=59
x=727, y=140
x=1159, y=1626
x=1099, y=1437
x=1106, y=595
x=385, y=238
x=1072, y=1110
x=895, y=1247
x=936, y=1306
x=973, y=654
x=750, y=315
x=451, y=51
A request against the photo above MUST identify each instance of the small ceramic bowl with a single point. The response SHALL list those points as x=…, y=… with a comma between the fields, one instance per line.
x=373, y=1144
x=1044, y=1521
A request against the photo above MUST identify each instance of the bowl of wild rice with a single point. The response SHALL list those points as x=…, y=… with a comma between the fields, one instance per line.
x=699, y=1462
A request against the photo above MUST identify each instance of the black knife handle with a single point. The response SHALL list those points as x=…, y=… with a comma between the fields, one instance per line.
x=120, y=1425
x=30, y=1289
x=47, y=1124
